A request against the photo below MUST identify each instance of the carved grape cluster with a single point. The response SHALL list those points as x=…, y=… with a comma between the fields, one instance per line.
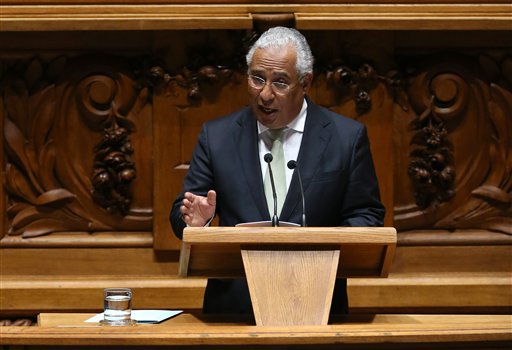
x=431, y=167
x=113, y=171
x=356, y=83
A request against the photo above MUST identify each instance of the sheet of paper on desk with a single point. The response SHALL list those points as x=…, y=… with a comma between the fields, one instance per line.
x=144, y=316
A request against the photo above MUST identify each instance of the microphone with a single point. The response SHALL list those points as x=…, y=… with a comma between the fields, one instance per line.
x=268, y=158
x=293, y=165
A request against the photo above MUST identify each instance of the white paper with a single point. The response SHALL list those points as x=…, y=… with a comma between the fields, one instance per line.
x=144, y=316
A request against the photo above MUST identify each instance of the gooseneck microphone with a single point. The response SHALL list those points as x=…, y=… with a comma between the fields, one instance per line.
x=268, y=158
x=293, y=165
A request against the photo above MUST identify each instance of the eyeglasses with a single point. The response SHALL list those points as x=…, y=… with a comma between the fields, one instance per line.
x=278, y=87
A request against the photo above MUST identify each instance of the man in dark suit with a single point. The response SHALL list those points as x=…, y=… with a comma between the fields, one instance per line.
x=228, y=171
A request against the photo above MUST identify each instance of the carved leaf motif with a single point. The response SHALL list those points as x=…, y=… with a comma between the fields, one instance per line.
x=24, y=217
x=500, y=112
x=49, y=200
x=493, y=193
x=43, y=114
x=15, y=143
x=54, y=196
x=464, y=103
x=33, y=166
x=16, y=208
x=498, y=166
x=500, y=224
x=46, y=191
x=17, y=184
x=47, y=157
x=44, y=226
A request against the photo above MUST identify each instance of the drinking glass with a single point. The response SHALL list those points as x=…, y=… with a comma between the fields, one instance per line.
x=117, y=305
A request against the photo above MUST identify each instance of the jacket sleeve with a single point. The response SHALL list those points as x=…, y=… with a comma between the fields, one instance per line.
x=199, y=180
x=362, y=205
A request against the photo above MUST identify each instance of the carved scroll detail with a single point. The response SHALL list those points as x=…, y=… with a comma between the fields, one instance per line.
x=462, y=127
x=49, y=151
x=113, y=170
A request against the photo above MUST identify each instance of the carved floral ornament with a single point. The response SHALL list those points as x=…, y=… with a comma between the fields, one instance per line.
x=51, y=189
x=48, y=123
x=461, y=159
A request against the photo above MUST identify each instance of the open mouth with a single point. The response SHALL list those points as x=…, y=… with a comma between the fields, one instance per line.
x=267, y=110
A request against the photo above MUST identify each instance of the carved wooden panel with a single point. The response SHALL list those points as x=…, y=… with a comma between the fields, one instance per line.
x=455, y=149
x=101, y=143
x=72, y=160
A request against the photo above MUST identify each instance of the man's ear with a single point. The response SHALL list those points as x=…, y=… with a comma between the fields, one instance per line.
x=306, y=84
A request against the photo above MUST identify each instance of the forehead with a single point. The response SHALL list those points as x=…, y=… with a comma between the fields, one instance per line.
x=275, y=60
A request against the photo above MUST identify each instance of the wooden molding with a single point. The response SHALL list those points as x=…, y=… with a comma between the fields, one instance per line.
x=407, y=17
x=447, y=16
x=191, y=331
x=82, y=240
x=85, y=293
x=122, y=17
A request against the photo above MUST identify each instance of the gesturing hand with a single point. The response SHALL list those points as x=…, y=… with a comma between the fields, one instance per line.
x=197, y=210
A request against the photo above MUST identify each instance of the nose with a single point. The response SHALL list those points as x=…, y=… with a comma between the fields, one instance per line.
x=266, y=94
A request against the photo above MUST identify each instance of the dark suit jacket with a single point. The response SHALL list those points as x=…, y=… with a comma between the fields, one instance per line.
x=338, y=177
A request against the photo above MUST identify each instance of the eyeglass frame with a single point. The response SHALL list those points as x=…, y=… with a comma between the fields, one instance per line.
x=251, y=78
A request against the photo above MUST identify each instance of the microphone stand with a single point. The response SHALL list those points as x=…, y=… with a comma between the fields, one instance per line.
x=275, y=219
x=292, y=164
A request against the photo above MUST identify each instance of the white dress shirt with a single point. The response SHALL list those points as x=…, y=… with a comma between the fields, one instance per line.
x=292, y=138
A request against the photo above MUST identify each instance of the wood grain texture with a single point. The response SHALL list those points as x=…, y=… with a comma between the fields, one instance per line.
x=454, y=279
x=427, y=331
x=454, y=264
x=453, y=16
x=291, y=287
x=85, y=294
x=291, y=235
x=215, y=251
x=3, y=219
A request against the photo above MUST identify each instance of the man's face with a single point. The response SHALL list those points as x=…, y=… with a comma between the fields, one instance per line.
x=272, y=105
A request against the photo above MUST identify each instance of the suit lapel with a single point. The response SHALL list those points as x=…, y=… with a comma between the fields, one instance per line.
x=315, y=139
x=246, y=141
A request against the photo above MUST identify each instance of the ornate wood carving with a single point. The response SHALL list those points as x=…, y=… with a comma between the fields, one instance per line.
x=460, y=125
x=207, y=67
x=357, y=84
x=16, y=322
x=452, y=133
x=113, y=171
x=431, y=167
x=54, y=115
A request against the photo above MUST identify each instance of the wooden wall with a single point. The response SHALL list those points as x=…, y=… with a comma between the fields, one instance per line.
x=101, y=104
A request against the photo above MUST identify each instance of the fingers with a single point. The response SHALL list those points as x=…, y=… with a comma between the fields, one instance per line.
x=186, y=208
x=197, y=210
x=212, y=198
x=186, y=218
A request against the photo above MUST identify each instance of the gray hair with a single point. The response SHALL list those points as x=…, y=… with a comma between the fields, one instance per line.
x=282, y=36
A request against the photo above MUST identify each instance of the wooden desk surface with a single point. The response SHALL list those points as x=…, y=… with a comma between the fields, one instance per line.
x=354, y=331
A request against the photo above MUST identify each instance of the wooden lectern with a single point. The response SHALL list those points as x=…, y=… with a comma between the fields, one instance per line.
x=290, y=270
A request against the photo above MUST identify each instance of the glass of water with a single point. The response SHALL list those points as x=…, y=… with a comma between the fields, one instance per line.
x=117, y=308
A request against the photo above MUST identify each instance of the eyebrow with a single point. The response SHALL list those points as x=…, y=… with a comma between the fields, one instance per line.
x=274, y=75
